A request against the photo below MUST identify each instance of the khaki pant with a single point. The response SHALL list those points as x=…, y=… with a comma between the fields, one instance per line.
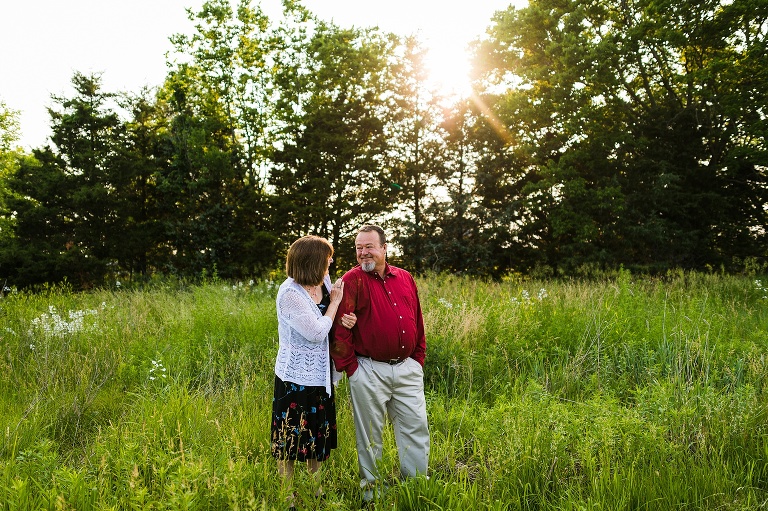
x=379, y=390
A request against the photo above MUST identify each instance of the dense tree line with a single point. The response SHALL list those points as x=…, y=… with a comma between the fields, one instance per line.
x=637, y=132
x=599, y=135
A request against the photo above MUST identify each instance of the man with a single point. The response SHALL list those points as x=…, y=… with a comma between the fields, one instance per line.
x=383, y=357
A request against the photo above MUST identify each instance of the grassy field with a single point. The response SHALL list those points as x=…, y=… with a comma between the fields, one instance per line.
x=616, y=394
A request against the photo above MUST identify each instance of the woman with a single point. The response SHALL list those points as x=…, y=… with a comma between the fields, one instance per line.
x=303, y=407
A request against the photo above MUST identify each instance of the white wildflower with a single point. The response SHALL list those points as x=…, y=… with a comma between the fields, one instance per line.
x=759, y=287
x=51, y=324
x=157, y=370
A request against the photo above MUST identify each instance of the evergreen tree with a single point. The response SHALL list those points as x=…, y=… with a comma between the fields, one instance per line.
x=142, y=162
x=65, y=199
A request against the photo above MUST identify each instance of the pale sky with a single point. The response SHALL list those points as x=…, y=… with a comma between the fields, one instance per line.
x=44, y=42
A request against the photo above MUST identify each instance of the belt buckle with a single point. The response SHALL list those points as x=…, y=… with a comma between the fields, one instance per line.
x=393, y=361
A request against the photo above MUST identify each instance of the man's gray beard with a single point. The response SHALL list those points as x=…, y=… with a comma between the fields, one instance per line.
x=368, y=266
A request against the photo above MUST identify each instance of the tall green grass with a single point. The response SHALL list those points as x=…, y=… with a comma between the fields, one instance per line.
x=624, y=393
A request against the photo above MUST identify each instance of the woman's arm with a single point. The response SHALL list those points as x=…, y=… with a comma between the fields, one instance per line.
x=298, y=313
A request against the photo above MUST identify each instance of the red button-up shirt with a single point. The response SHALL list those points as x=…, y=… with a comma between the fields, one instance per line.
x=389, y=320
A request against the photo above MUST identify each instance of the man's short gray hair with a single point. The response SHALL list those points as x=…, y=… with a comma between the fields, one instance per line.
x=376, y=229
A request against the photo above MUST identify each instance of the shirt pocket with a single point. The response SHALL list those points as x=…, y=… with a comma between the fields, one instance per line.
x=409, y=307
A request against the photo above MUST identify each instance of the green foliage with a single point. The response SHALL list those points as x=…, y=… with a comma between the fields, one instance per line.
x=416, y=152
x=9, y=133
x=328, y=175
x=9, y=128
x=68, y=203
x=547, y=394
x=212, y=190
x=629, y=133
x=599, y=136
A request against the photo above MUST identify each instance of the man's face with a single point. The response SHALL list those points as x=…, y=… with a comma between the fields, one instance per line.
x=371, y=254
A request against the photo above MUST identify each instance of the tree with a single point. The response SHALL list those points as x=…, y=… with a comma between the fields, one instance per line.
x=328, y=176
x=415, y=154
x=636, y=123
x=66, y=199
x=216, y=215
x=9, y=135
x=140, y=163
x=460, y=229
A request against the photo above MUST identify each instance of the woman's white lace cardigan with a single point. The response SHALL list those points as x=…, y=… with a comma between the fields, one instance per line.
x=303, y=356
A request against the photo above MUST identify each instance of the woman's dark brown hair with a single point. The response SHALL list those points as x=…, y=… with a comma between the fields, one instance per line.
x=307, y=260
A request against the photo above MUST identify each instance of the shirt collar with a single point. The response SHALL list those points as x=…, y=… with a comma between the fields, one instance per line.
x=389, y=271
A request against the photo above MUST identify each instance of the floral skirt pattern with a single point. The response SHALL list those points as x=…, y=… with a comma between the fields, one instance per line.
x=303, y=422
